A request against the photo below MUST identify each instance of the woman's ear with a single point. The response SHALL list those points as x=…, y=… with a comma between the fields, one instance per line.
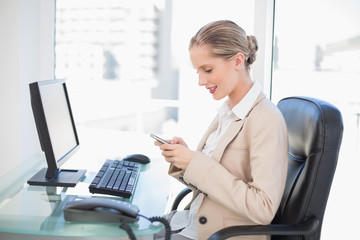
x=239, y=60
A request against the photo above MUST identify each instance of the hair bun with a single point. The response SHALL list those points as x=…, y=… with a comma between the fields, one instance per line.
x=253, y=47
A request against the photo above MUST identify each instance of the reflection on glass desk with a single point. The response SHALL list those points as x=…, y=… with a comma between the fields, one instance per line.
x=37, y=211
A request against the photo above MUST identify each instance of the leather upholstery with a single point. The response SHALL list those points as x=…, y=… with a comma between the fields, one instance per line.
x=315, y=132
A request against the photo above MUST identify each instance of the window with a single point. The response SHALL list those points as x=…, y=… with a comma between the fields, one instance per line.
x=127, y=62
x=108, y=51
x=317, y=53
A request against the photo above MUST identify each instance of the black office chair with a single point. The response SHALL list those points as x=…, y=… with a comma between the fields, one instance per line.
x=315, y=132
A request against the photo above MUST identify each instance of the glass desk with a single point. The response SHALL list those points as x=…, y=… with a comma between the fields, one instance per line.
x=35, y=212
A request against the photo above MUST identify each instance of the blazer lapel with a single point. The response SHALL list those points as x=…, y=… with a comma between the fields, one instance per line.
x=234, y=128
x=231, y=132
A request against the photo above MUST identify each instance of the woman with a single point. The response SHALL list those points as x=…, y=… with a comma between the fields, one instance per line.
x=238, y=171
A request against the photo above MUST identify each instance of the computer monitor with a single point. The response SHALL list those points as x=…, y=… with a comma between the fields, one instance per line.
x=57, y=132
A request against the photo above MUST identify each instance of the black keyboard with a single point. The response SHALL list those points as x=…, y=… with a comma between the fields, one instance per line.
x=116, y=178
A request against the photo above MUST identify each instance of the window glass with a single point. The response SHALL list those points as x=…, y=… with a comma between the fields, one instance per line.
x=127, y=62
x=317, y=53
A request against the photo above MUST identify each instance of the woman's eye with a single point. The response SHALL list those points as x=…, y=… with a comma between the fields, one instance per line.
x=208, y=71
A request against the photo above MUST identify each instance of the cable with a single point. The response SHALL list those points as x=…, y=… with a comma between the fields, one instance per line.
x=128, y=230
x=164, y=222
x=166, y=225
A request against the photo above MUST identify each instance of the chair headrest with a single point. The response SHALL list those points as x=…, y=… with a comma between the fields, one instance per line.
x=305, y=118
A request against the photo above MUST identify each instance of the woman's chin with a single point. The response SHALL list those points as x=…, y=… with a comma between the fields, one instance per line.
x=217, y=97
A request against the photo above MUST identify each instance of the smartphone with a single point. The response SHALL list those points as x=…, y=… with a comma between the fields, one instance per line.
x=159, y=138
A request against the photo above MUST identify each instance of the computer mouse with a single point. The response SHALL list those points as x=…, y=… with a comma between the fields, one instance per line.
x=139, y=158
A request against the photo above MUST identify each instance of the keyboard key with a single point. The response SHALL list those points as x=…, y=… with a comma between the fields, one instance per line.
x=113, y=179
x=125, y=181
x=96, y=180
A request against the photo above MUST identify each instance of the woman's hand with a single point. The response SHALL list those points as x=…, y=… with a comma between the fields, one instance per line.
x=176, y=152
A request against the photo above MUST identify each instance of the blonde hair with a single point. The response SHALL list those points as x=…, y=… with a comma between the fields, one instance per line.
x=226, y=39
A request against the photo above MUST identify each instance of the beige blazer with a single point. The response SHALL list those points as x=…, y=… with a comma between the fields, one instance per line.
x=243, y=182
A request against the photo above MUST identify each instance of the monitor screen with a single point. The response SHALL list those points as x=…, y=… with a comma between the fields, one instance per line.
x=59, y=120
x=57, y=132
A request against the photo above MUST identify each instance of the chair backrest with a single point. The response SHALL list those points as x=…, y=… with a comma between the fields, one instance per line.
x=315, y=131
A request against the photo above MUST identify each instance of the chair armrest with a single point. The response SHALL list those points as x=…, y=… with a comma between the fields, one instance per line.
x=306, y=228
x=179, y=197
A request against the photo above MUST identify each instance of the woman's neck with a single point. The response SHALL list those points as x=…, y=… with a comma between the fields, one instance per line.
x=242, y=89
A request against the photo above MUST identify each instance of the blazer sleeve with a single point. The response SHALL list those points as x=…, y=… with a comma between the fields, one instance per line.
x=257, y=196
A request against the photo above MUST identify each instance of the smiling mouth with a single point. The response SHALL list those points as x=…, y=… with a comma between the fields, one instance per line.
x=212, y=90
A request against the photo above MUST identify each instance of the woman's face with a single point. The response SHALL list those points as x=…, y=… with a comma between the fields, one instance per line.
x=216, y=74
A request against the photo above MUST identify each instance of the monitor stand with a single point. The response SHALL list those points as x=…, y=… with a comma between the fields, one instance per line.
x=64, y=178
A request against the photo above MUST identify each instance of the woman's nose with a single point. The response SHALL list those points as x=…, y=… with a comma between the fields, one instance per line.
x=202, y=80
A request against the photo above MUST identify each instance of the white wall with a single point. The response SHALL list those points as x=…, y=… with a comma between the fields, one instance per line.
x=26, y=47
